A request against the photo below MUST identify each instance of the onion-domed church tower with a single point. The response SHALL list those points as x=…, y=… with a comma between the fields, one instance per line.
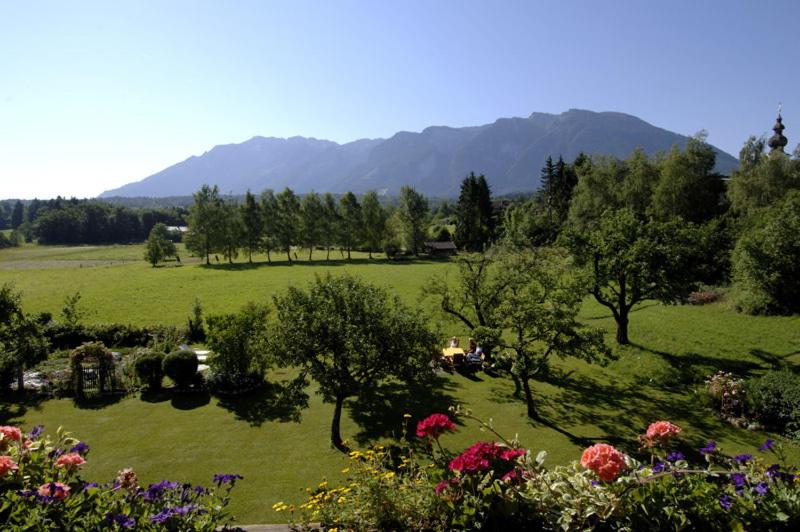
x=777, y=142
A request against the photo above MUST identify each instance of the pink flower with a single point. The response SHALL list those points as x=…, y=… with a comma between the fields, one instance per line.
x=434, y=426
x=512, y=454
x=604, y=460
x=9, y=433
x=70, y=461
x=484, y=455
x=659, y=432
x=6, y=465
x=56, y=490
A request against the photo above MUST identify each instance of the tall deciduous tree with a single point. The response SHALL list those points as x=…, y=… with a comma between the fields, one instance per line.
x=17, y=215
x=349, y=335
x=287, y=220
x=158, y=245
x=374, y=222
x=413, y=214
x=310, y=227
x=630, y=261
x=206, y=224
x=269, y=211
x=474, y=216
x=252, y=225
x=352, y=222
x=231, y=231
x=329, y=222
x=22, y=341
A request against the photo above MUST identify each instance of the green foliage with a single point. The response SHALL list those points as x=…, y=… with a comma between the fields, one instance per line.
x=629, y=261
x=252, y=225
x=269, y=208
x=181, y=367
x=310, y=228
x=158, y=245
x=348, y=335
x=766, y=260
x=22, y=340
x=149, y=368
x=351, y=226
x=97, y=354
x=70, y=312
x=761, y=181
x=687, y=187
x=774, y=399
x=413, y=215
x=474, y=216
x=286, y=220
x=374, y=222
x=206, y=224
x=239, y=345
x=195, y=331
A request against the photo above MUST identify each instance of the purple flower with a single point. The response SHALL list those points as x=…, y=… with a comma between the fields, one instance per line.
x=161, y=516
x=743, y=458
x=35, y=432
x=226, y=478
x=725, y=502
x=80, y=448
x=674, y=457
x=200, y=490
x=183, y=511
x=90, y=485
x=595, y=483
x=710, y=447
x=124, y=521
x=55, y=453
x=154, y=491
x=738, y=480
x=659, y=467
x=767, y=445
x=761, y=488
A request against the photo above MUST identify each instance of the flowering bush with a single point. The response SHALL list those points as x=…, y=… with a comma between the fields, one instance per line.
x=41, y=489
x=497, y=485
x=434, y=426
x=728, y=394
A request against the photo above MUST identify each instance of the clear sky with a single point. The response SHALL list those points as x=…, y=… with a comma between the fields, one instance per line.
x=97, y=94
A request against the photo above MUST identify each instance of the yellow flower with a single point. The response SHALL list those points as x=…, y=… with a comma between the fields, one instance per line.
x=322, y=485
x=346, y=470
x=389, y=475
x=407, y=416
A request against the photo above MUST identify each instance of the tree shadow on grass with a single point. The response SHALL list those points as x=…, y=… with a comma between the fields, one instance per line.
x=274, y=401
x=691, y=363
x=380, y=412
x=190, y=400
x=98, y=401
x=636, y=308
x=776, y=361
x=300, y=262
x=13, y=407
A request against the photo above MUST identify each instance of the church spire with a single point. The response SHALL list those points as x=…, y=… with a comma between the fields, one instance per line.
x=777, y=142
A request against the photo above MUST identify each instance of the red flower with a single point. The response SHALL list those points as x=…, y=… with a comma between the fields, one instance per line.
x=56, y=490
x=604, y=460
x=70, y=461
x=6, y=465
x=9, y=433
x=434, y=426
x=658, y=433
x=483, y=455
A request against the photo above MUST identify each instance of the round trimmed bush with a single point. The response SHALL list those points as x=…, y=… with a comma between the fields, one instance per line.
x=181, y=367
x=774, y=398
x=149, y=368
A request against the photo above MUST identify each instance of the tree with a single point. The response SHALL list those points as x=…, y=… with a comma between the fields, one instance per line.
x=22, y=341
x=630, y=261
x=158, y=245
x=688, y=187
x=413, y=214
x=348, y=335
x=311, y=212
x=374, y=222
x=269, y=210
x=231, y=230
x=206, y=222
x=252, y=225
x=351, y=226
x=762, y=181
x=329, y=221
x=474, y=221
x=17, y=215
x=535, y=316
x=766, y=260
x=239, y=344
x=287, y=220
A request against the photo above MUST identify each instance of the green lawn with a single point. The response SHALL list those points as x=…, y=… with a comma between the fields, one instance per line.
x=281, y=451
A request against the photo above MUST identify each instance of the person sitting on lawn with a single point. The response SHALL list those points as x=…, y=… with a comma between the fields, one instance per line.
x=454, y=341
x=476, y=356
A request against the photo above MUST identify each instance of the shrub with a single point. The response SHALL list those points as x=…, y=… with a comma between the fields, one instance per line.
x=41, y=488
x=194, y=330
x=181, y=367
x=774, y=399
x=727, y=393
x=149, y=368
x=766, y=260
x=239, y=344
x=703, y=298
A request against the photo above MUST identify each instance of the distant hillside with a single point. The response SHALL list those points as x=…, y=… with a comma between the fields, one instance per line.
x=509, y=152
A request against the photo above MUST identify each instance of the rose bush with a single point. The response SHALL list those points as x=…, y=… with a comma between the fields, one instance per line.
x=41, y=488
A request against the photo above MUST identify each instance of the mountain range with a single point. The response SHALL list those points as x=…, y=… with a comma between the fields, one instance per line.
x=509, y=152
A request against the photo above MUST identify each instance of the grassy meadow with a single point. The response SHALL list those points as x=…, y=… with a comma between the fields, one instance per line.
x=280, y=451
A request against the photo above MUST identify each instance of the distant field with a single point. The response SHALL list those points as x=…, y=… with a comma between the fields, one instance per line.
x=674, y=348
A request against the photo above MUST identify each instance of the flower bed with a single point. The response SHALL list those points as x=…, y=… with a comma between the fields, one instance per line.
x=41, y=488
x=499, y=484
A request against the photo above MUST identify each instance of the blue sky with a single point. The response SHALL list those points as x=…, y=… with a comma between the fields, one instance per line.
x=97, y=94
